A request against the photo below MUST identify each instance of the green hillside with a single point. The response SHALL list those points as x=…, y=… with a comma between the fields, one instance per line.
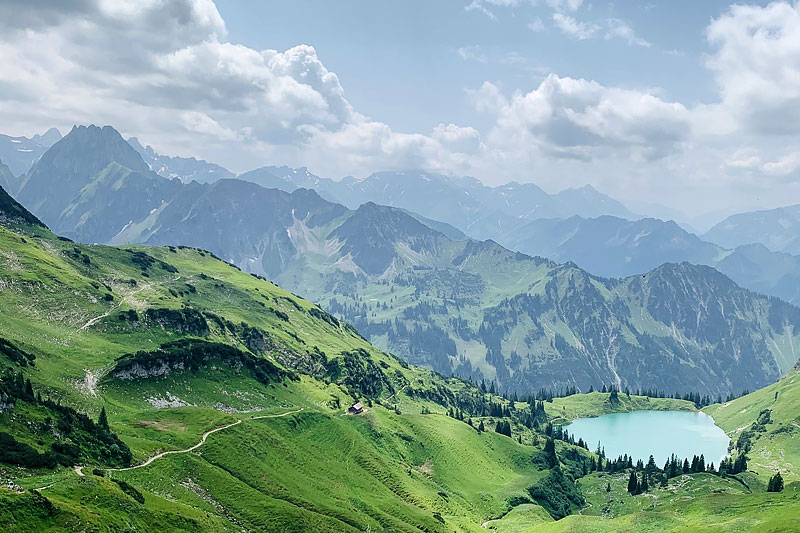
x=767, y=422
x=174, y=343
x=227, y=405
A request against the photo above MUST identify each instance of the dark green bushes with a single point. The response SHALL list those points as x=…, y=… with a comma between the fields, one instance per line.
x=359, y=372
x=192, y=354
x=557, y=493
x=186, y=321
x=79, y=437
x=16, y=354
x=130, y=490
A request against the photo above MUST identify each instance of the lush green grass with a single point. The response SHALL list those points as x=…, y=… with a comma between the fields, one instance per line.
x=778, y=448
x=565, y=410
x=91, y=503
x=320, y=469
x=702, y=513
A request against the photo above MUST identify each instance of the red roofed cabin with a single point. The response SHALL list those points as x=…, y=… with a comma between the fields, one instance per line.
x=356, y=408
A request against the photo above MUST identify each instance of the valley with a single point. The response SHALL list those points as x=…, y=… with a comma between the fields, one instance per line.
x=231, y=396
x=470, y=266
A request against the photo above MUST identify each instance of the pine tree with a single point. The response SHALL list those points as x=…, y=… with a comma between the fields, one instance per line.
x=550, y=453
x=102, y=420
x=608, y=487
x=633, y=484
x=481, y=427
x=643, y=487
x=775, y=483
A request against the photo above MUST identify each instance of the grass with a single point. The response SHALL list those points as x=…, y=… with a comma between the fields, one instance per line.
x=565, y=410
x=777, y=448
x=316, y=470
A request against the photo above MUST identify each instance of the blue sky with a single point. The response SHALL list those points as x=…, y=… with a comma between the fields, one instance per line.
x=399, y=61
x=690, y=105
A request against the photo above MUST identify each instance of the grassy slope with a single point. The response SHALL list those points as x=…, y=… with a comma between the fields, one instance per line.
x=398, y=469
x=777, y=449
x=697, y=511
x=318, y=469
x=695, y=502
x=565, y=410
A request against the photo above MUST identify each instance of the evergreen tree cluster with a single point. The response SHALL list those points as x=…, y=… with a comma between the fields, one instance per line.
x=503, y=427
x=775, y=483
x=559, y=433
x=80, y=437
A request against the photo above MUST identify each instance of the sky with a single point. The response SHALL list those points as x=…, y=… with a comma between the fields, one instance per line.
x=676, y=108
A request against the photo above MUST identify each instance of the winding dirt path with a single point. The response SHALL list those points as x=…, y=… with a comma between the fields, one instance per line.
x=79, y=469
x=202, y=441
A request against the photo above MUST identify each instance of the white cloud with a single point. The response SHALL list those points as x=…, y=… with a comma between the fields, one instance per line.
x=752, y=161
x=461, y=139
x=756, y=63
x=619, y=29
x=472, y=53
x=573, y=28
x=786, y=165
x=536, y=25
x=575, y=118
x=164, y=70
x=611, y=29
x=563, y=5
x=476, y=5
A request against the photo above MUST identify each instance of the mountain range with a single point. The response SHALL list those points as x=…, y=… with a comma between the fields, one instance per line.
x=777, y=229
x=161, y=389
x=19, y=153
x=479, y=211
x=613, y=247
x=185, y=168
x=460, y=306
x=580, y=225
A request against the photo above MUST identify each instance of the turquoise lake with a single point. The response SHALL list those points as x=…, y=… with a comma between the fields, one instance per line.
x=660, y=433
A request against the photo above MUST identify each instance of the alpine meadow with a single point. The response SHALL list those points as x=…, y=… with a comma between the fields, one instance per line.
x=456, y=266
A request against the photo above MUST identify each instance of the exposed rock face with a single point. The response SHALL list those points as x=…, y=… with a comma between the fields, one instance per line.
x=142, y=371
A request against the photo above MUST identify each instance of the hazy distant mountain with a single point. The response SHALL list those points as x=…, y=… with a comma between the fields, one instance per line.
x=483, y=311
x=7, y=179
x=448, y=230
x=184, y=168
x=478, y=309
x=764, y=271
x=464, y=203
x=92, y=183
x=777, y=229
x=610, y=246
x=289, y=179
x=613, y=247
x=239, y=221
x=19, y=153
